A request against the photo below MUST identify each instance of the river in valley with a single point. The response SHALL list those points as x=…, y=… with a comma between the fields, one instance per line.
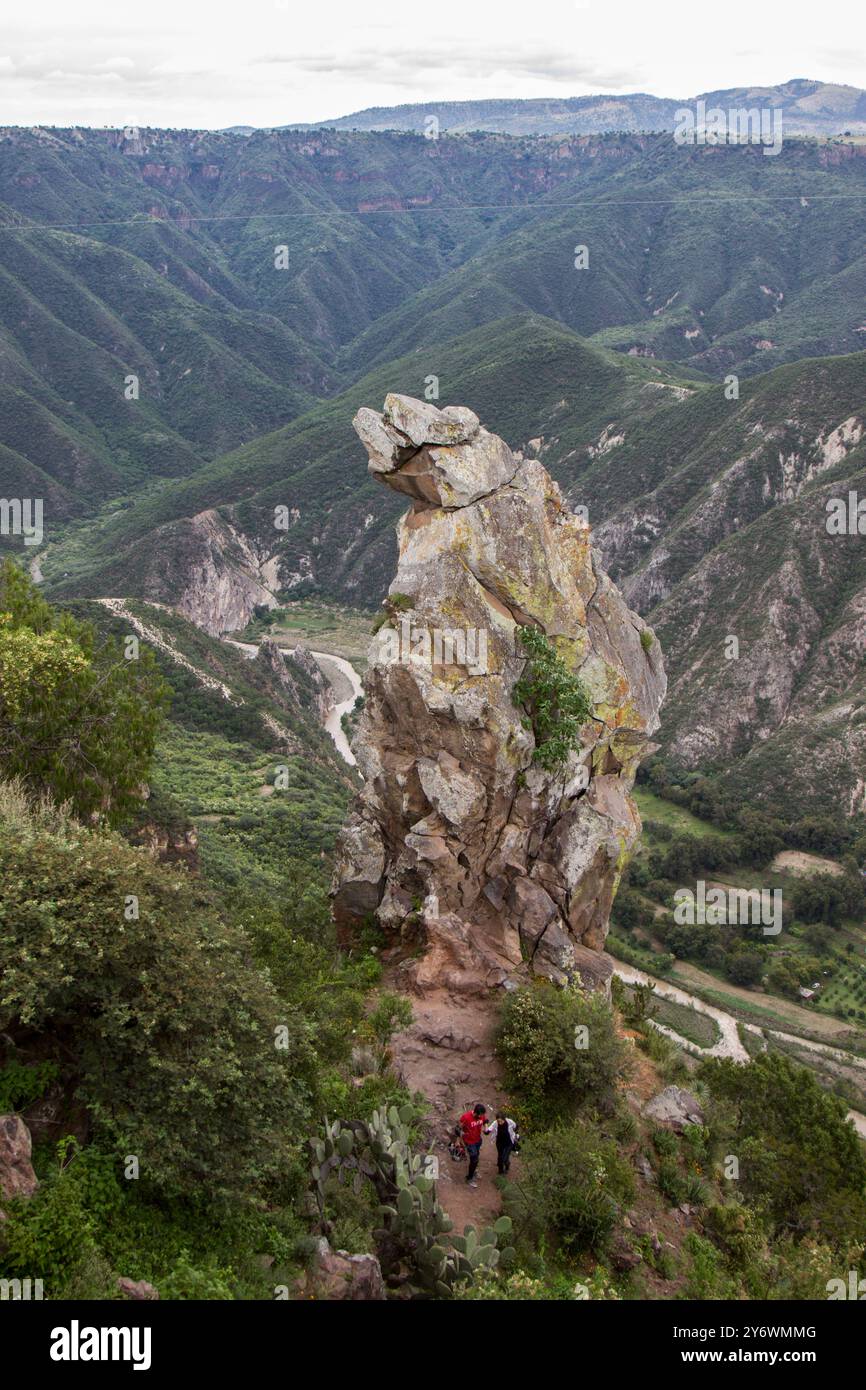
x=344, y=682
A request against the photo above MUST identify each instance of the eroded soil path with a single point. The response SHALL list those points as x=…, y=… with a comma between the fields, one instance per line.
x=448, y=1055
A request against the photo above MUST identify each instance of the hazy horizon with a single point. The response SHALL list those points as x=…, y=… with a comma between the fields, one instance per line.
x=161, y=67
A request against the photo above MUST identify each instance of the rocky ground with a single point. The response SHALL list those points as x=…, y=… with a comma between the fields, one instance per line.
x=448, y=1055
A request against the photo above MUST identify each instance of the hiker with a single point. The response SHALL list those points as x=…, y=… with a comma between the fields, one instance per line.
x=472, y=1130
x=507, y=1140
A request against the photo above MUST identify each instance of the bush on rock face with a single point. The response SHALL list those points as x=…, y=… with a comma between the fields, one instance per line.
x=558, y=701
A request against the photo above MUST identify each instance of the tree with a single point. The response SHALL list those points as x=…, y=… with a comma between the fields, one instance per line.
x=760, y=836
x=121, y=971
x=800, y=1157
x=822, y=834
x=820, y=938
x=682, y=858
x=784, y=978
x=820, y=898
x=745, y=967
x=627, y=909
x=77, y=720
x=687, y=943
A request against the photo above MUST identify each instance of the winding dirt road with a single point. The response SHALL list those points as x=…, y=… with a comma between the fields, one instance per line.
x=332, y=724
x=729, y=1044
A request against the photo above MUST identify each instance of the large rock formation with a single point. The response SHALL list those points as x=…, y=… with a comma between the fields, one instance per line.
x=460, y=842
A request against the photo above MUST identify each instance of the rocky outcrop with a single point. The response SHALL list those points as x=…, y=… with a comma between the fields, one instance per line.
x=323, y=695
x=138, y=1290
x=336, y=1276
x=674, y=1108
x=460, y=839
x=224, y=578
x=169, y=844
x=297, y=684
x=17, y=1178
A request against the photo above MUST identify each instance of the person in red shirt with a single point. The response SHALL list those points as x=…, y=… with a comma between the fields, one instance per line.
x=472, y=1131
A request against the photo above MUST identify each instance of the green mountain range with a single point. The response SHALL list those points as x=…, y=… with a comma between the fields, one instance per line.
x=189, y=321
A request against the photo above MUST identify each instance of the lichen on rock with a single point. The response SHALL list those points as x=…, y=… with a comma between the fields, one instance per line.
x=459, y=841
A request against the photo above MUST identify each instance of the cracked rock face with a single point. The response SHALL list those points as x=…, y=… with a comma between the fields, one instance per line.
x=483, y=863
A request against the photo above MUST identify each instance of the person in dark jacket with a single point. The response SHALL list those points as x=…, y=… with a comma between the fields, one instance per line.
x=507, y=1140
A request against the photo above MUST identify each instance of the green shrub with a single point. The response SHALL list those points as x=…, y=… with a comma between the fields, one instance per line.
x=572, y=1186
x=545, y=1068
x=670, y=1181
x=196, y=1283
x=735, y=1228
x=160, y=1022
x=665, y=1142
x=707, y=1276
x=77, y=720
x=48, y=1235
x=557, y=701
x=23, y=1083
x=392, y=1013
x=625, y=1127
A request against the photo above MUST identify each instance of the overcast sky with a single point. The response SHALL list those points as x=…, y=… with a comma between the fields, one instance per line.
x=269, y=62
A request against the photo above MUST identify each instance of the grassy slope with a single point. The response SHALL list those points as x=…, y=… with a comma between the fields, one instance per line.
x=170, y=271
x=519, y=375
x=216, y=757
x=689, y=503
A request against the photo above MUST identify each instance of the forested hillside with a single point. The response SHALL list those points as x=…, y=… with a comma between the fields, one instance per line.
x=151, y=345
x=220, y=1067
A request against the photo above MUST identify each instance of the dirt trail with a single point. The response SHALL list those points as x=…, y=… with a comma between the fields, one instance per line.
x=729, y=1044
x=448, y=1055
x=688, y=975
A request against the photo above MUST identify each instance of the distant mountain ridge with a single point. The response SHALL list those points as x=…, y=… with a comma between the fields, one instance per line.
x=808, y=108
x=257, y=291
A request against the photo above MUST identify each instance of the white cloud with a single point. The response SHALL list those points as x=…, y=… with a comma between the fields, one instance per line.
x=268, y=62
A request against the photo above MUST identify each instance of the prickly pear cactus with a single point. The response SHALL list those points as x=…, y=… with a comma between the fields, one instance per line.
x=415, y=1231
